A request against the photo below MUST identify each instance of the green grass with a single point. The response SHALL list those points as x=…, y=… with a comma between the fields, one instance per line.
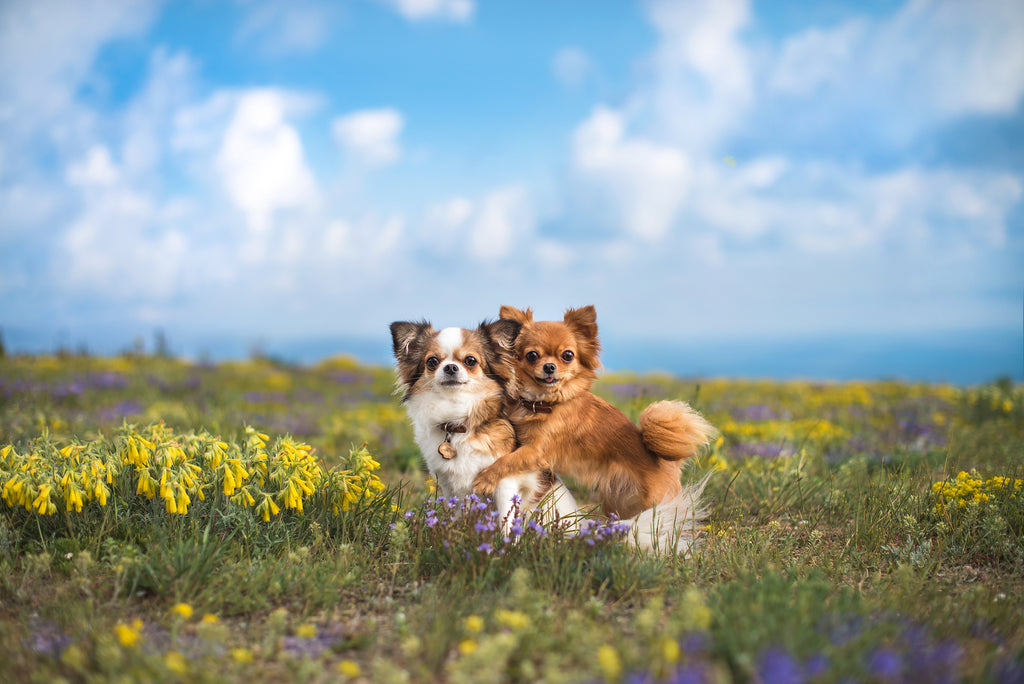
x=830, y=553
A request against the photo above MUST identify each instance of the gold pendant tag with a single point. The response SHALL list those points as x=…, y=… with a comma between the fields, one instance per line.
x=446, y=449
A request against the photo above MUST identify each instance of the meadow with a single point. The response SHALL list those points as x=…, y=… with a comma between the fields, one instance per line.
x=165, y=520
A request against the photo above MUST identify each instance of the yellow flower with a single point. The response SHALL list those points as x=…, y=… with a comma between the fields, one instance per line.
x=210, y=619
x=474, y=624
x=128, y=635
x=242, y=655
x=349, y=668
x=513, y=619
x=42, y=504
x=467, y=646
x=182, y=610
x=74, y=657
x=698, y=612
x=176, y=662
x=306, y=631
x=609, y=662
x=669, y=650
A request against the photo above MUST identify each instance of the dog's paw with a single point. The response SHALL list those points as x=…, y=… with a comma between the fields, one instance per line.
x=486, y=482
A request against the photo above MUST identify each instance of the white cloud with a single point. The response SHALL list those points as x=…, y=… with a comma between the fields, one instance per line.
x=652, y=166
x=817, y=57
x=905, y=73
x=831, y=208
x=444, y=220
x=419, y=10
x=261, y=159
x=287, y=26
x=701, y=80
x=171, y=86
x=504, y=216
x=124, y=246
x=488, y=229
x=646, y=182
x=97, y=168
x=571, y=66
x=370, y=135
x=47, y=51
x=969, y=57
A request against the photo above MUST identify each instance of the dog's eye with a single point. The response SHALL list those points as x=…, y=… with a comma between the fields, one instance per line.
x=469, y=361
x=567, y=355
x=432, y=363
x=532, y=356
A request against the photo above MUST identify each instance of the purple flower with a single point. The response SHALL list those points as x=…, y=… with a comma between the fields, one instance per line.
x=885, y=664
x=432, y=520
x=485, y=548
x=760, y=450
x=688, y=674
x=778, y=667
x=695, y=643
x=816, y=666
x=755, y=412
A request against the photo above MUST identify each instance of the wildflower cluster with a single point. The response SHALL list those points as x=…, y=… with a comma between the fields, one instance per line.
x=817, y=430
x=471, y=530
x=255, y=472
x=969, y=488
x=999, y=401
x=593, y=532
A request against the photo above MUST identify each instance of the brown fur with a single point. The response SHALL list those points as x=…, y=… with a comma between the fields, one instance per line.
x=580, y=434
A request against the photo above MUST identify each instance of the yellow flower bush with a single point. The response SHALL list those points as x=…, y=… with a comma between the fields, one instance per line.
x=816, y=430
x=969, y=488
x=257, y=472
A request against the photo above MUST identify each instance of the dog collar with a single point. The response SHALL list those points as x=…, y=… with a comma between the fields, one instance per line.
x=452, y=428
x=537, y=406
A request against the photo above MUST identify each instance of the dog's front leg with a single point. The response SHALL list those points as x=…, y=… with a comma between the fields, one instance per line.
x=522, y=460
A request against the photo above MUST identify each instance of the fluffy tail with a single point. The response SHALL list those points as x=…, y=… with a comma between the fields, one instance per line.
x=673, y=430
x=672, y=525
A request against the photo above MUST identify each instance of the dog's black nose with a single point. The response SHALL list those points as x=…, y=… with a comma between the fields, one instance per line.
x=549, y=368
x=451, y=369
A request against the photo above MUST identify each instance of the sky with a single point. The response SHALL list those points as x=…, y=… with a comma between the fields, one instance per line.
x=723, y=178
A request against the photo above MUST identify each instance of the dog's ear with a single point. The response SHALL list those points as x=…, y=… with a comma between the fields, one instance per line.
x=583, y=323
x=501, y=338
x=582, y=320
x=510, y=313
x=407, y=338
x=501, y=333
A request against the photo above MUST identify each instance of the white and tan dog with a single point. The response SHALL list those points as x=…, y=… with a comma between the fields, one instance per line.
x=453, y=383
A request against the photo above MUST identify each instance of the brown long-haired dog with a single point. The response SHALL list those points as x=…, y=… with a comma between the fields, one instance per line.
x=562, y=426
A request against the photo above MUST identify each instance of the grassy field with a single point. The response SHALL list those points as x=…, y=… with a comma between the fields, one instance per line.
x=171, y=521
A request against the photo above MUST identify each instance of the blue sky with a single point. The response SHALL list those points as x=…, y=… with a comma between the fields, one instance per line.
x=702, y=172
